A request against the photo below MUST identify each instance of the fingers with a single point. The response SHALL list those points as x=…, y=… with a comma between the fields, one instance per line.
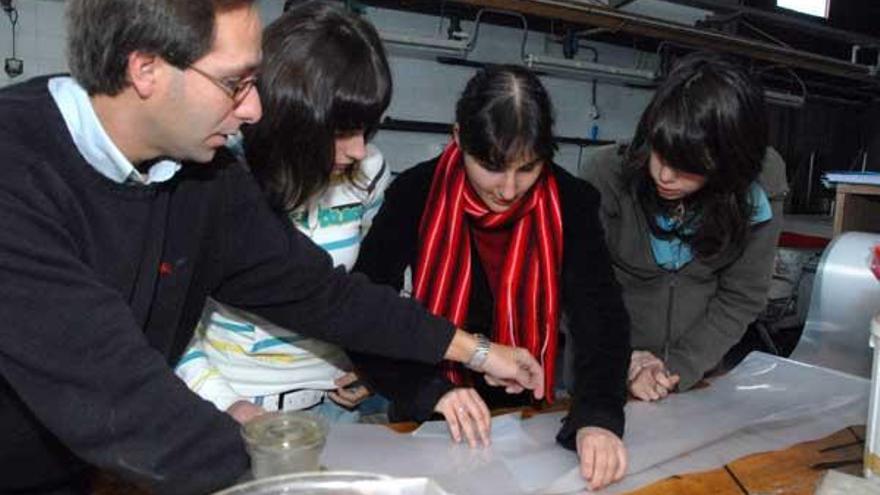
x=452, y=423
x=664, y=379
x=468, y=426
x=514, y=368
x=643, y=387
x=622, y=463
x=652, y=383
x=602, y=455
x=467, y=416
x=244, y=411
x=491, y=380
x=601, y=464
x=346, y=380
x=480, y=412
x=588, y=462
x=349, y=397
x=510, y=386
x=513, y=389
x=530, y=375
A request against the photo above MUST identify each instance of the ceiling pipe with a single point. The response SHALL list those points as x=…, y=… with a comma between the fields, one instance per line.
x=618, y=21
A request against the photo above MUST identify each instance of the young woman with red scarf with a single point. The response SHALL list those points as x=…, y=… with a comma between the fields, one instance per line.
x=502, y=240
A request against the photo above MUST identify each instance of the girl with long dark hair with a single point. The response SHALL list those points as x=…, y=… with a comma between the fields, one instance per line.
x=503, y=241
x=324, y=84
x=692, y=210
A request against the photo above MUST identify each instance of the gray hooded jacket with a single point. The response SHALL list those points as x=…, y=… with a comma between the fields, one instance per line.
x=691, y=317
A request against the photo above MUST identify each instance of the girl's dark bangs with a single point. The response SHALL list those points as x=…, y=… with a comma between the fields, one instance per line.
x=361, y=100
x=680, y=141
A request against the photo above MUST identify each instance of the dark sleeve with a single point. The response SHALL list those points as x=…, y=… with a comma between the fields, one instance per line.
x=386, y=252
x=598, y=321
x=74, y=355
x=276, y=272
x=392, y=241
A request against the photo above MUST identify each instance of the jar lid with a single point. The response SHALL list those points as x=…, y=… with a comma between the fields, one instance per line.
x=285, y=430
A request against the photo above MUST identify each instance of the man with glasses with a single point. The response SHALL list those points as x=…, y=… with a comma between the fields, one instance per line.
x=121, y=213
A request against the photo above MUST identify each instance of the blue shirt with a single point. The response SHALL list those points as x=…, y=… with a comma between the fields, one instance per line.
x=672, y=254
x=93, y=142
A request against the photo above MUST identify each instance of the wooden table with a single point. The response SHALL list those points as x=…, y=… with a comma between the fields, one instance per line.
x=793, y=471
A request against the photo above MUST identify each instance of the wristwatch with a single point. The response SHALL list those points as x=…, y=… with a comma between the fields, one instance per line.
x=481, y=352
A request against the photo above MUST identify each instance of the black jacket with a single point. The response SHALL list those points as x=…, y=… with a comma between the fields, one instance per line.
x=598, y=324
x=101, y=285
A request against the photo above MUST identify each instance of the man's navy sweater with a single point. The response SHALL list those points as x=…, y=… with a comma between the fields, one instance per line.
x=101, y=285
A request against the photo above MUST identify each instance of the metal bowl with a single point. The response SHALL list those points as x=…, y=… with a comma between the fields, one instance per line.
x=314, y=483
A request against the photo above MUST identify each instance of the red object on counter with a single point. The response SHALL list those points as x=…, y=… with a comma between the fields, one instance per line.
x=875, y=262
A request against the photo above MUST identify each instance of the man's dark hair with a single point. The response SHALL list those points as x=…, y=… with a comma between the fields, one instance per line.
x=103, y=33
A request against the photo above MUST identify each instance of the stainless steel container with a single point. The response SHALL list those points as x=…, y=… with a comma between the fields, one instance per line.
x=318, y=483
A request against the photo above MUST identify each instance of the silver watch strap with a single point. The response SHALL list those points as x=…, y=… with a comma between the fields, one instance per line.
x=481, y=353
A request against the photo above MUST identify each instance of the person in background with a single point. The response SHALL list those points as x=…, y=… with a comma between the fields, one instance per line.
x=502, y=240
x=116, y=230
x=310, y=154
x=692, y=210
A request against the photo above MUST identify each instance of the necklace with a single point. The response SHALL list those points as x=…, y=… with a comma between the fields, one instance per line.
x=677, y=212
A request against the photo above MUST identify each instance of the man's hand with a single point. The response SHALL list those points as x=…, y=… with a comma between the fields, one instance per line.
x=649, y=379
x=514, y=369
x=465, y=412
x=349, y=394
x=244, y=411
x=510, y=367
x=602, y=455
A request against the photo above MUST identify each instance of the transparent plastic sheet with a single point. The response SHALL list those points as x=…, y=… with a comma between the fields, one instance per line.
x=766, y=403
x=846, y=295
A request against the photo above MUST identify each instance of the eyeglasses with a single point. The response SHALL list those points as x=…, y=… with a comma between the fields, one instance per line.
x=236, y=89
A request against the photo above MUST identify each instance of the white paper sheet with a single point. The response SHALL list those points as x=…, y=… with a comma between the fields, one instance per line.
x=766, y=403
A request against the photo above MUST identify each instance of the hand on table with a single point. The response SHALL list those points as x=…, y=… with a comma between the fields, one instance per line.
x=649, y=379
x=244, y=411
x=347, y=395
x=465, y=412
x=603, y=458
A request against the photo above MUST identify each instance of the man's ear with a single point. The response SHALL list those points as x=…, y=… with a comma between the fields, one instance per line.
x=144, y=70
x=455, y=134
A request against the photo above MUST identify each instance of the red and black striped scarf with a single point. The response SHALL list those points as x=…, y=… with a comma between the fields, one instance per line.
x=527, y=303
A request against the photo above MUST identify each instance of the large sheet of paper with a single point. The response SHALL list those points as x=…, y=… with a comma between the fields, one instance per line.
x=766, y=403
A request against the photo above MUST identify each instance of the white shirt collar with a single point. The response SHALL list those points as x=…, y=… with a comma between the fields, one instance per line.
x=93, y=142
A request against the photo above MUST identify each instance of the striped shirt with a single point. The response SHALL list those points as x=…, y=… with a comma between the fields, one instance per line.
x=236, y=356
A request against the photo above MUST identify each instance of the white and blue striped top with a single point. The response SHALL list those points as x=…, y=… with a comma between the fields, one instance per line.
x=236, y=356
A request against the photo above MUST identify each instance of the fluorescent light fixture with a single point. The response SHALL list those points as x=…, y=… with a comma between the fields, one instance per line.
x=783, y=99
x=591, y=70
x=817, y=8
x=411, y=41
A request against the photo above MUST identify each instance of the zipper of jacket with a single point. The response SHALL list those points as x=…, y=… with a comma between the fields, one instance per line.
x=669, y=307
